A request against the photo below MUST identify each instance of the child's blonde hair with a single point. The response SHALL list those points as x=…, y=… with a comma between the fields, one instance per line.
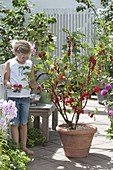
x=21, y=46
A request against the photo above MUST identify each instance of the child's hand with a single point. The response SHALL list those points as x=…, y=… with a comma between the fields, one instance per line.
x=8, y=85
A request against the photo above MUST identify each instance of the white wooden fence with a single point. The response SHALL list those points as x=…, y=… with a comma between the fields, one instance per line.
x=74, y=21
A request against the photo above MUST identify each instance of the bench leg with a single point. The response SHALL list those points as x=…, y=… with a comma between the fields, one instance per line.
x=54, y=119
x=45, y=127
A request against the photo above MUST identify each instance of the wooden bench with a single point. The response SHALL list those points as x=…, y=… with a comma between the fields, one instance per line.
x=44, y=111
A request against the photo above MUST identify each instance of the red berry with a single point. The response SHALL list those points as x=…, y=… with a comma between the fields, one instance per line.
x=39, y=88
x=40, y=55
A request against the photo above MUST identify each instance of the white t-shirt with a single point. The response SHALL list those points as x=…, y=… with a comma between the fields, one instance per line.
x=18, y=76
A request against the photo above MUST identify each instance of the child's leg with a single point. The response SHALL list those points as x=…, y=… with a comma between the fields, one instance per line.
x=15, y=133
x=15, y=122
x=24, y=112
x=23, y=135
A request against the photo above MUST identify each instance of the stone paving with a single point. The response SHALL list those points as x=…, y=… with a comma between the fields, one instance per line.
x=51, y=156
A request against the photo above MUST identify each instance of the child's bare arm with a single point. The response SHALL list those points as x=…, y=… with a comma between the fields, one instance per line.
x=7, y=75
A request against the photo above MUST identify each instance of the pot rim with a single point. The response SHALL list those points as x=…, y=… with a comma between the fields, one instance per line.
x=63, y=128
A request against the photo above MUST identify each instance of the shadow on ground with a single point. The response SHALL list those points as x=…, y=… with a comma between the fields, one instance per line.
x=51, y=157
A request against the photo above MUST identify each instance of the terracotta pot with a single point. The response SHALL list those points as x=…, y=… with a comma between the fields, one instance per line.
x=76, y=143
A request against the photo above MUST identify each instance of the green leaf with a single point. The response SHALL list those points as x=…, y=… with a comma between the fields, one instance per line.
x=26, y=87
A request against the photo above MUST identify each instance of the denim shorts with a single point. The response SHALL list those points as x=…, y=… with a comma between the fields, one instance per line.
x=22, y=105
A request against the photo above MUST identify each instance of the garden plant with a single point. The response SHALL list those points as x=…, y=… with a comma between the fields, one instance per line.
x=10, y=155
x=73, y=77
x=107, y=93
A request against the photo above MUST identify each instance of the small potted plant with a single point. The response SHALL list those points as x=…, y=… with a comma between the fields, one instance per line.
x=71, y=79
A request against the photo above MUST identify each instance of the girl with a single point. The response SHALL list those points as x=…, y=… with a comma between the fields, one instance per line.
x=18, y=77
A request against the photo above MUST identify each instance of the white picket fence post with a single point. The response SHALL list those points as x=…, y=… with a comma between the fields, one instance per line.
x=2, y=87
